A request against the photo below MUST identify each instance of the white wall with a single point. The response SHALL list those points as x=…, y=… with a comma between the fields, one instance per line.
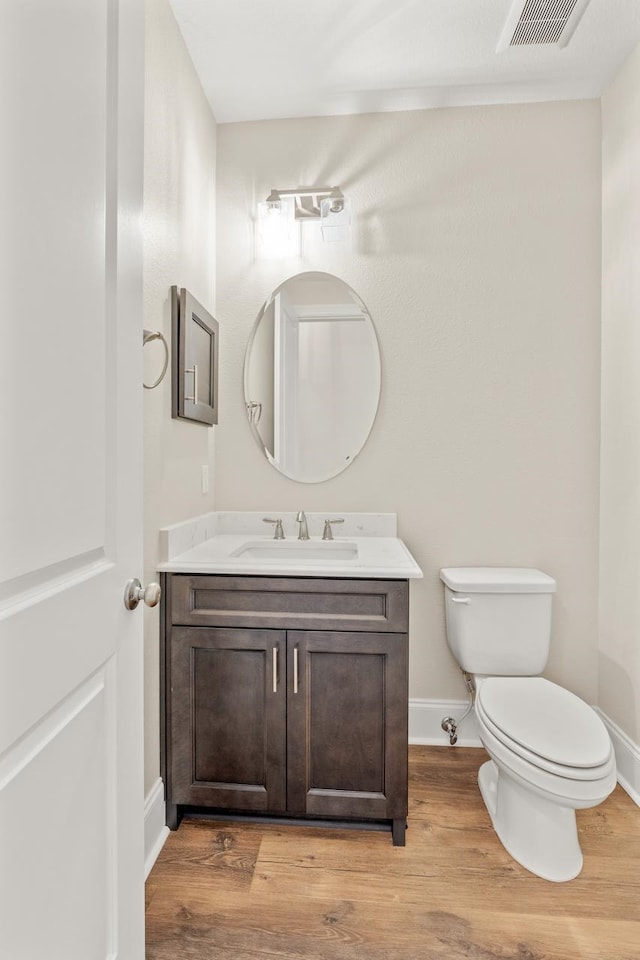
x=476, y=247
x=619, y=645
x=179, y=248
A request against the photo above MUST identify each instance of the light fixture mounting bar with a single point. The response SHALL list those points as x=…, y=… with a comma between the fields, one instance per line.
x=307, y=200
x=307, y=192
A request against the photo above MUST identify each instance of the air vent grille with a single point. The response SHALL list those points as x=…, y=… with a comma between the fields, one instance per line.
x=534, y=22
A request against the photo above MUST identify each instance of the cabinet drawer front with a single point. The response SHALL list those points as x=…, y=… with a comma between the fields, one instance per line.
x=290, y=603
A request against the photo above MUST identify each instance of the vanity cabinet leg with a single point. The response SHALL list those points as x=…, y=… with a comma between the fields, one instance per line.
x=398, y=831
x=173, y=815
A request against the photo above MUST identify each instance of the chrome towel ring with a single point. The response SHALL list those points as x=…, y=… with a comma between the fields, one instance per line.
x=147, y=337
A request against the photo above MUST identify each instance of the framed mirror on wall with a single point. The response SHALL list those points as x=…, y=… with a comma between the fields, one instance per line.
x=194, y=332
x=312, y=377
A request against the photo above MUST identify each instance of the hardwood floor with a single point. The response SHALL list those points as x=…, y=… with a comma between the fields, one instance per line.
x=246, y=891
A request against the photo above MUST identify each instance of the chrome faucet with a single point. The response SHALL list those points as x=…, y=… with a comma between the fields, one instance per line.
x=303, y=532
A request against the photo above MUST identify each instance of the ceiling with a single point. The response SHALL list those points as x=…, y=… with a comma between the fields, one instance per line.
x=267, y=59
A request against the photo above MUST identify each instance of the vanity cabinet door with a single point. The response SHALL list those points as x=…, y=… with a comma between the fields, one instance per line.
x=347, y=726
x=226, y=724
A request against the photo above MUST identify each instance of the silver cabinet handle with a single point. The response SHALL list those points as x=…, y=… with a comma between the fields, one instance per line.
x=194, y=371
x=460, y=600
x=274, y=667
x=134, y=592
x=295, y=669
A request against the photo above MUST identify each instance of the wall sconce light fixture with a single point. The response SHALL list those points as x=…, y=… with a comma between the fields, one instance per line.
x=280, y=216
x=277, y=231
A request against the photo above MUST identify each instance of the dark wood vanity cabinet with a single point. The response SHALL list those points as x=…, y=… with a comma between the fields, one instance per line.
x=286, y=697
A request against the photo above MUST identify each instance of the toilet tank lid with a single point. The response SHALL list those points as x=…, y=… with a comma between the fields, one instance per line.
x=497, y=580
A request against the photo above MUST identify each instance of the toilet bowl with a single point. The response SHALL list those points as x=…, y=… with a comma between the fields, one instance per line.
x=550, y=753
x=535, y=781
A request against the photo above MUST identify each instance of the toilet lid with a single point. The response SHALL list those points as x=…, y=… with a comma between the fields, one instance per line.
x=545, y=719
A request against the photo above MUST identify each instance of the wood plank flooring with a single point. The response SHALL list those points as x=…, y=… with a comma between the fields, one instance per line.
x=271, y=892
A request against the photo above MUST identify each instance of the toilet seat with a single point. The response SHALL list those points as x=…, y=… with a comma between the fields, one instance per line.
x=545, y=725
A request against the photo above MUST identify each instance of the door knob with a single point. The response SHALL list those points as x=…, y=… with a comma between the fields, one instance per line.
x=134, y=592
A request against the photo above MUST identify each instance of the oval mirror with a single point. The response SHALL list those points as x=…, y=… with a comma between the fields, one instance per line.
x=312, y=377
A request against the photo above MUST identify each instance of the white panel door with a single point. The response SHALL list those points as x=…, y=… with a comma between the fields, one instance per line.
x=71, y=792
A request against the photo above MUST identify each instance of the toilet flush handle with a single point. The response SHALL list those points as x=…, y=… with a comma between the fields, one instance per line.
x=460, y=600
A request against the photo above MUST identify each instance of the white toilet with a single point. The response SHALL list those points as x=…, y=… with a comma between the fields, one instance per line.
x=550, y=751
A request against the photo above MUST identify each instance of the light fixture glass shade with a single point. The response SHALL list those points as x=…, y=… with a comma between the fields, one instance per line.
x=277, y=232
x=335, y=218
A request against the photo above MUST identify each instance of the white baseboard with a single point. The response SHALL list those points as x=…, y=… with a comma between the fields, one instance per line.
x=155, y=830
x=627, y=759
x=425, y=717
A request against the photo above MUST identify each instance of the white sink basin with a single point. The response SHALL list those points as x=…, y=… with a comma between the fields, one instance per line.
x=330, y=551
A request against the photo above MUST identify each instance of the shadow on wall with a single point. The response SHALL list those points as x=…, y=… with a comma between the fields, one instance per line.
x=354, y=153
x=361, y=150
x=430, y=206
x=616, y=696
x=411, y=200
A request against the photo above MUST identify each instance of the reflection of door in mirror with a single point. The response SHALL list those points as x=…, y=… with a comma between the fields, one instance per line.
x=285, y=378
x=313, y=363
x=326, y=359
x=262, y=377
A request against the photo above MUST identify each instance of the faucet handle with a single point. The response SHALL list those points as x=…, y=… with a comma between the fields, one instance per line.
x=278, y=533
x=327, y=533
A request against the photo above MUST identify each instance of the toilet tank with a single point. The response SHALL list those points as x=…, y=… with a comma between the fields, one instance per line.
x=498, y=619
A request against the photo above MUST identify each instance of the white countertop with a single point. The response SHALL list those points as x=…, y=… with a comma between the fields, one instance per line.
x=237, y=543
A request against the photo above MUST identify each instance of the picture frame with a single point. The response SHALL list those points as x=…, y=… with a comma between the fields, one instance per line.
x=195, y=336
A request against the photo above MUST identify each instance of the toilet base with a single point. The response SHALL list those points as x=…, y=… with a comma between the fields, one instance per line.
x=540, y=834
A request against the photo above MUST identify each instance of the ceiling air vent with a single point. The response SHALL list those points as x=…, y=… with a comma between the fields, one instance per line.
x=541, y=22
